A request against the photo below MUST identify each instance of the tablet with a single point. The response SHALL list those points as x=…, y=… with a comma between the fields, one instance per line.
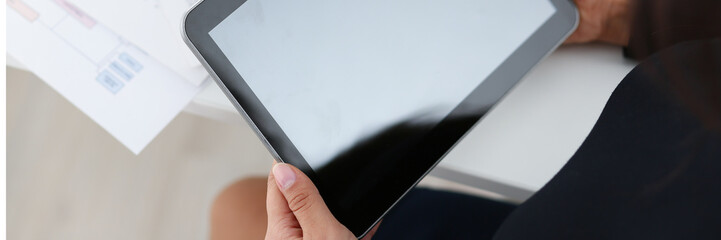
x=366, y=97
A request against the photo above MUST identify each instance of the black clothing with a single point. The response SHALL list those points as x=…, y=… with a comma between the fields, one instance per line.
x=651, y=166
x=431, y=214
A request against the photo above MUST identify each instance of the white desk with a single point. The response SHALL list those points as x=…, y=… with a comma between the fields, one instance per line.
x=527, y=137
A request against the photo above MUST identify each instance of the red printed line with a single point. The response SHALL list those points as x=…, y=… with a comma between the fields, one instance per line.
x=24, y=10
x=77, y=13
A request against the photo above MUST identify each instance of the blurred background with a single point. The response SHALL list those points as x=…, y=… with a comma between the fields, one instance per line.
x=67, y=178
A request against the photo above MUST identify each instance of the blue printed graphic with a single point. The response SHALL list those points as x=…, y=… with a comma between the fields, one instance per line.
x=109, y=81
x=121, y=71
x=130, y=62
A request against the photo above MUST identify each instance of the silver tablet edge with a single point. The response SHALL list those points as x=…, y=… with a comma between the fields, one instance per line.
x=222, y=86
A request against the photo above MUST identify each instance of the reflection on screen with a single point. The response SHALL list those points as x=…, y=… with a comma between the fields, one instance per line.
x=335, y=72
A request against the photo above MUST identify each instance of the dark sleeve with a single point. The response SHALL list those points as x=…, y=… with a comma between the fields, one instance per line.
x=651, y=166
x=658, y=24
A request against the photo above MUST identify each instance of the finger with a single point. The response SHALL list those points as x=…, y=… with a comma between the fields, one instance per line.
x=281, y=221
x=304, y=200
x=573, y=38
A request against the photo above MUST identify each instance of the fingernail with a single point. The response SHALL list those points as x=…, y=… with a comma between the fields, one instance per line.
x=284, y=175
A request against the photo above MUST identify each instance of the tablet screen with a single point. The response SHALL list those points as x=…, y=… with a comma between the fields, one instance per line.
x=366, y=96
x=336, y=72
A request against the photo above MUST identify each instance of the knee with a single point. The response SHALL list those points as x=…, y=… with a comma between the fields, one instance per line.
x=239, y=196
x=239, y=210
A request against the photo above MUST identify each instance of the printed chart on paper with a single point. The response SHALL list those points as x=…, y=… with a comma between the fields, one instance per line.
x=114, y=82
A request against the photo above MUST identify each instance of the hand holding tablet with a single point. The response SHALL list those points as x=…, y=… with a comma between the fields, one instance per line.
x=365, y=97
x=296, y=209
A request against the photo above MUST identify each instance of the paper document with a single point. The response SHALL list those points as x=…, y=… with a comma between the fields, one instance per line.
x=129, y=93
x=153, y=25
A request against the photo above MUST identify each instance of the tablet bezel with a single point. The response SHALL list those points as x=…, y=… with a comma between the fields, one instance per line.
x=207, y=14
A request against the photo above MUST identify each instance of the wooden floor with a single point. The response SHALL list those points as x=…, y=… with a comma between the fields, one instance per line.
x=69, y=179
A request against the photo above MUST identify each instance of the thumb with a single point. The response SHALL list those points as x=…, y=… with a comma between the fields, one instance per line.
x=305, y=202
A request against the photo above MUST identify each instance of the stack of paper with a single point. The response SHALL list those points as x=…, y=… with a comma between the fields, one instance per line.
x=132, y=89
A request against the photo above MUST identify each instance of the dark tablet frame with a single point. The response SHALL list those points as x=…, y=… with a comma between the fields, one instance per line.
x=207, y=14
